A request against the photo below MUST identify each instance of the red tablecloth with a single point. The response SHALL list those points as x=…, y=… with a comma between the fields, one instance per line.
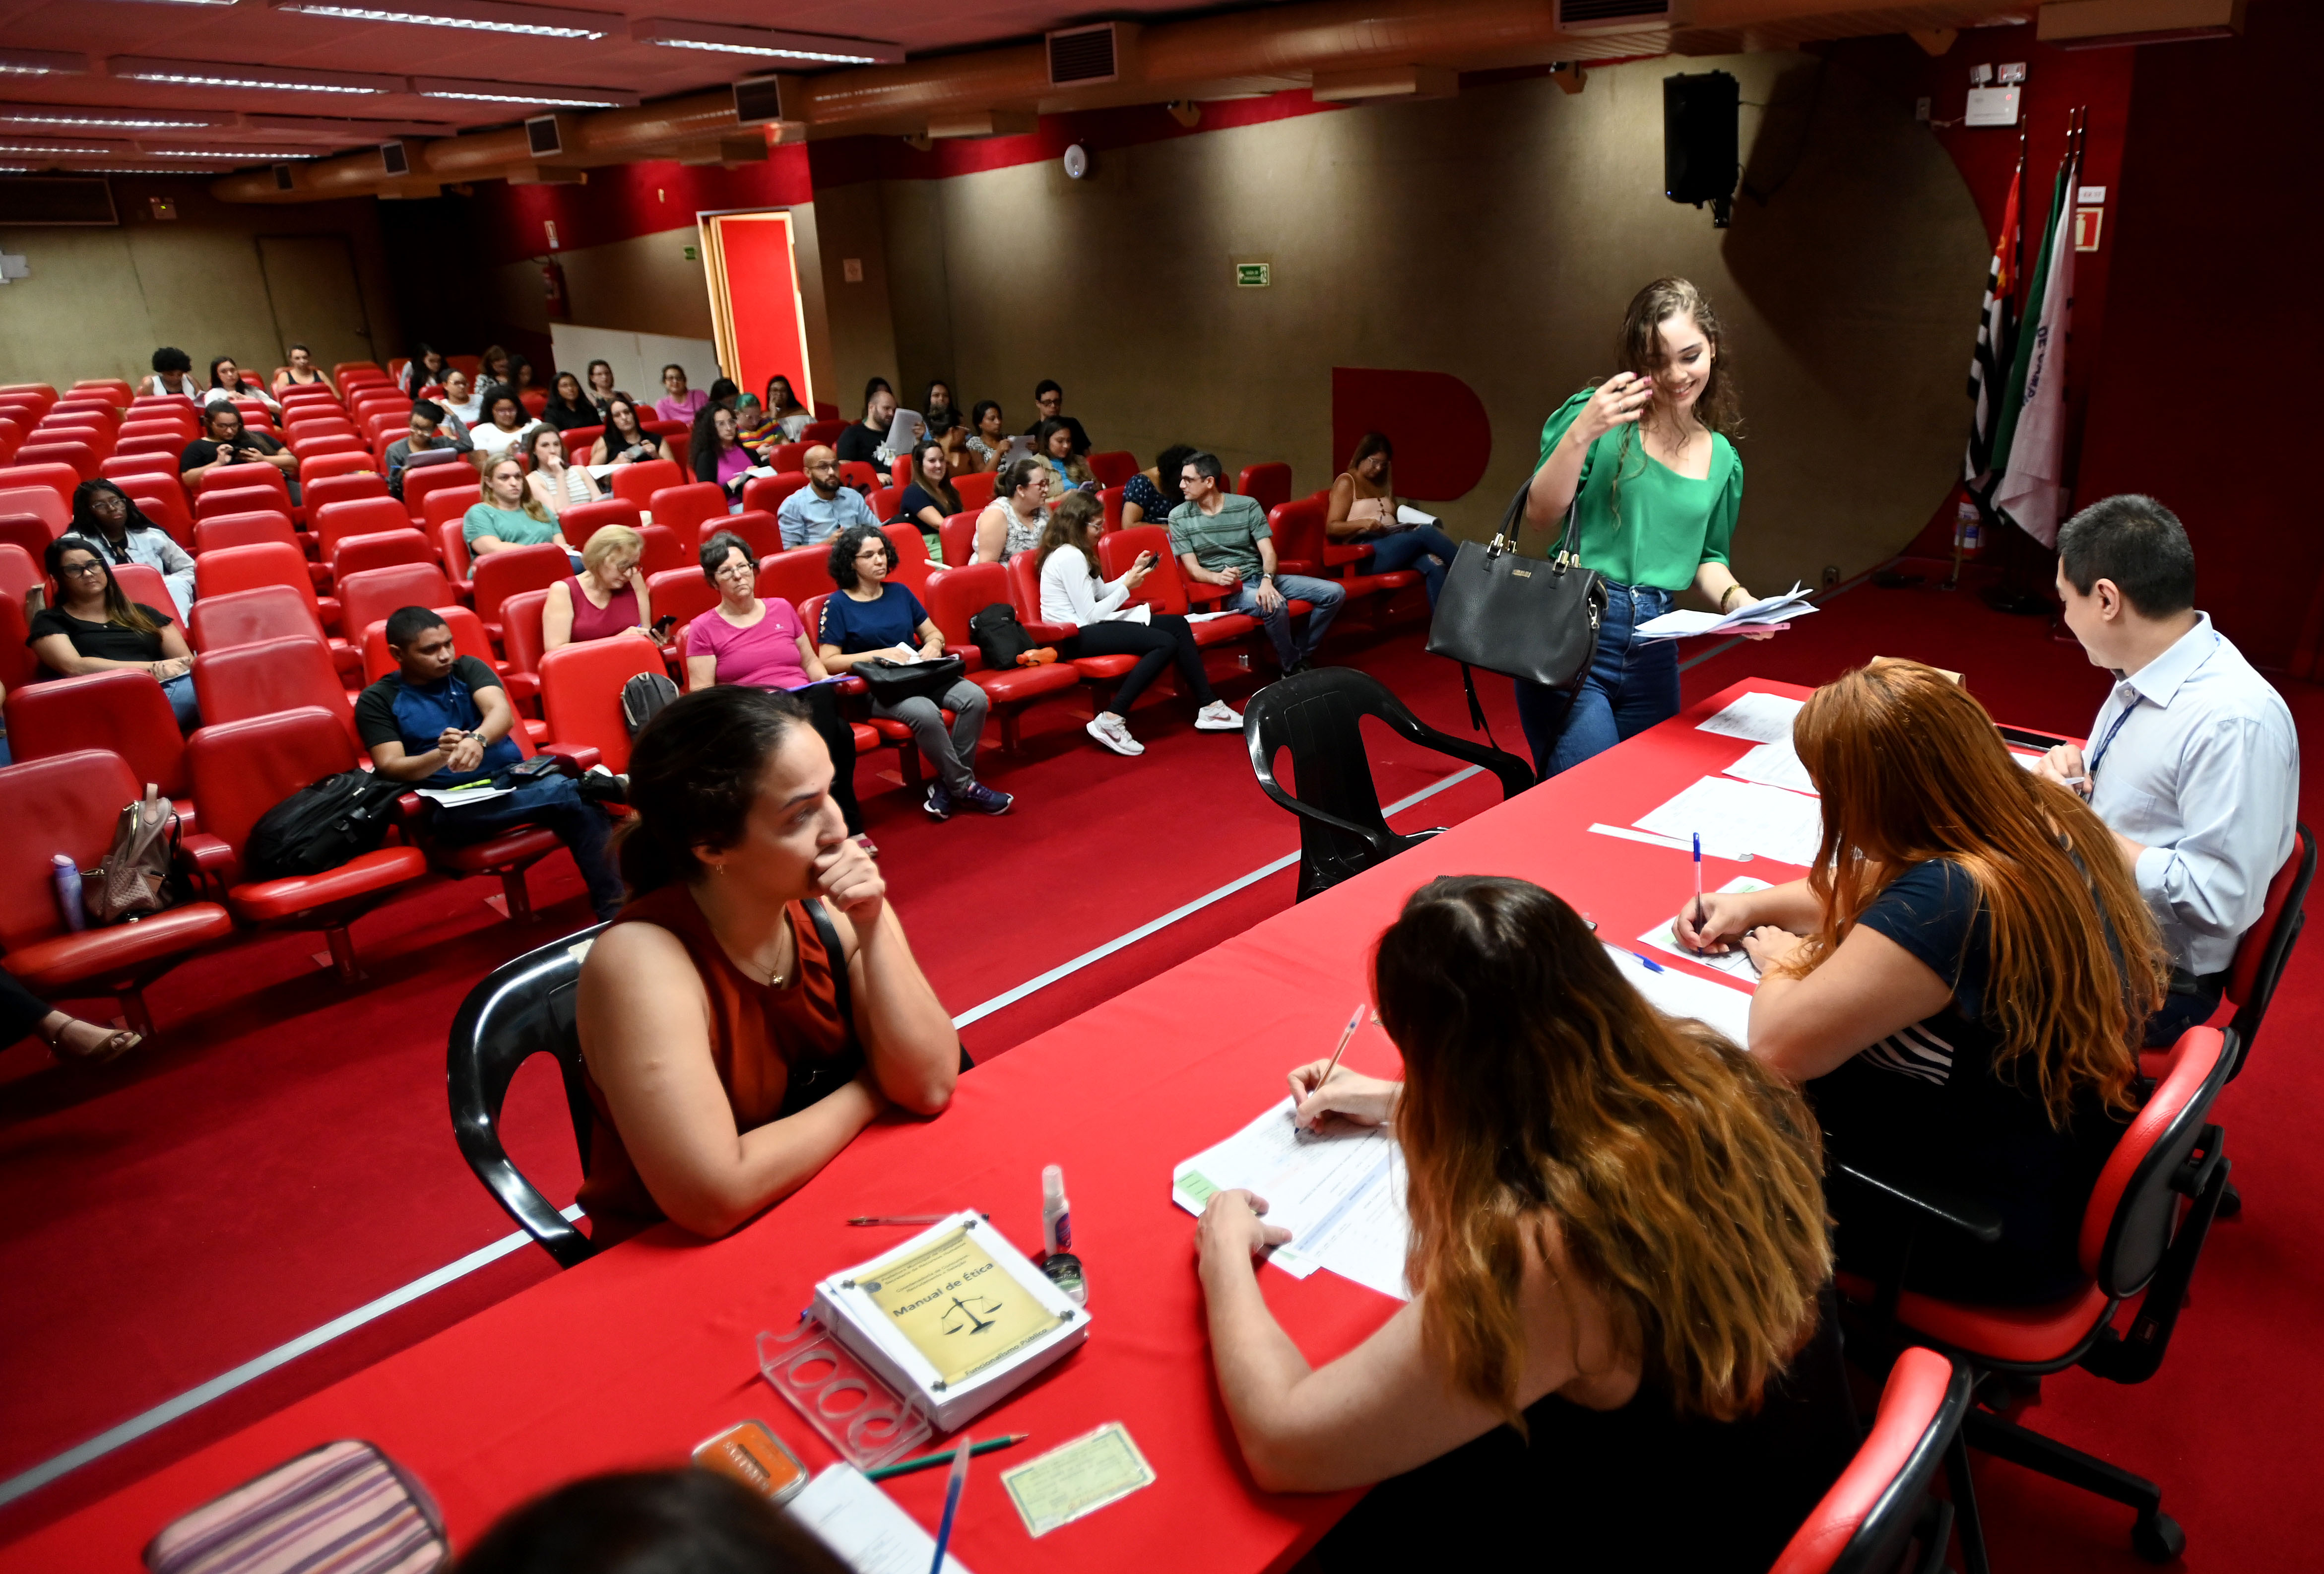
x=632, y=1358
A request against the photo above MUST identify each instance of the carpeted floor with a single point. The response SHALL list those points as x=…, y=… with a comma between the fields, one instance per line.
x=283, y=1159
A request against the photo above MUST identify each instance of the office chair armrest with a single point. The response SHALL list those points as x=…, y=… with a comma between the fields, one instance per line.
x=581, y=756
x=1931, y=1204
x=1516, y=775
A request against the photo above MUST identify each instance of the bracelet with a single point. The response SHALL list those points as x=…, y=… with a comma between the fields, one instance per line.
x=1723, y=595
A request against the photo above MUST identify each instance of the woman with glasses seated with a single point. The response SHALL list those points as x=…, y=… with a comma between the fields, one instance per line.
x=104, y=517
x=94, y=627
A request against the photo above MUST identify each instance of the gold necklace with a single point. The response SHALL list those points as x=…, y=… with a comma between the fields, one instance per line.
x=775, y=977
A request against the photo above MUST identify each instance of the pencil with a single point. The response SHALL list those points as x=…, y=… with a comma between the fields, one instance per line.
x=899, y=1219
x=1355, y=1021
x=931, y=1461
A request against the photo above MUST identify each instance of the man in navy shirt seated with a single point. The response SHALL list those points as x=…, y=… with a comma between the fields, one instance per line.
x=441, y=719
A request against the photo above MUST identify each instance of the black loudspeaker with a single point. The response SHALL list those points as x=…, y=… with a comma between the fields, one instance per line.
x=758, y=100
x=1701, y=162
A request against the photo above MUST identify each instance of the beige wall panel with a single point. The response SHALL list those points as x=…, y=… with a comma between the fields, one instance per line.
x=1496, y=237
x=861, y=323
x=647, y=284
x=920, y=299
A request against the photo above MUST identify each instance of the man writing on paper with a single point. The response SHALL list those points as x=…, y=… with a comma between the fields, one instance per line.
x=2193, y=761
x=441, y=719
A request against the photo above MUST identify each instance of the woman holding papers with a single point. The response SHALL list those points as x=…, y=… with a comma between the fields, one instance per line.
x=1617, y=1261
x=1958, y=985
x=1646, y=465
x=756, y=1004
x=1363, y=511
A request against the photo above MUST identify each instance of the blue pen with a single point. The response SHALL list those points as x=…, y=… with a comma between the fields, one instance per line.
x=1698, y=884
x=951, y=1503
x=1650, y=964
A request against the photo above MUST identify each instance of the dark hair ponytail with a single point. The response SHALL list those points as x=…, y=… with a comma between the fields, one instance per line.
x=694, y=771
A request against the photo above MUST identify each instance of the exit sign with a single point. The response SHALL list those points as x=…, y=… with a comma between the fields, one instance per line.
x=1254, y=276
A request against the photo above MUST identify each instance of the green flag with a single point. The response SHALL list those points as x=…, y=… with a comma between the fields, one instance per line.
x=2013, y=395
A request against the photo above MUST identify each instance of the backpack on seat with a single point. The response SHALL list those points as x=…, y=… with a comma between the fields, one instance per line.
x=322, y=826
x=1003, y=641
x=643, y=697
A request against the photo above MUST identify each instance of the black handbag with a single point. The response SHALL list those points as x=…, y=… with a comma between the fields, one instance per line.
x=892, y=683
x=1532, y=618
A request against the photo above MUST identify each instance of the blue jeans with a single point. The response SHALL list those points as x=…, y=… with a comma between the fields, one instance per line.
x=1423, y=547
x=179, y=692
x=1632, y=685
x=1324, y=595
x=554, y=803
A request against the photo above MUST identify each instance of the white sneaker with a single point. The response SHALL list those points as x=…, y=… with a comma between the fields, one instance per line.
x=1109, y=730
x=1216, y=718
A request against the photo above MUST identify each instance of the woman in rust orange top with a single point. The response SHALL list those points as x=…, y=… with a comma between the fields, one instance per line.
x=725, y=1067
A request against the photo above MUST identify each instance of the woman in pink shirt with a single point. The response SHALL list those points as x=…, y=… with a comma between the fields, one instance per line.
x=746, y=640
x=679, y=402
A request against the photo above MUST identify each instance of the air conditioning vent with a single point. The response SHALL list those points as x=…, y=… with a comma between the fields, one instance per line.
x=1082, y=55
x=541, y=138
x=758, y=101
x=57, y=201
x=286, y=176
x=1608, y=15
x=394, y=158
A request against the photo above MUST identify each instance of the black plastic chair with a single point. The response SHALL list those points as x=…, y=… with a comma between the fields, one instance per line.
x=1316, y=714
x=524, y=1007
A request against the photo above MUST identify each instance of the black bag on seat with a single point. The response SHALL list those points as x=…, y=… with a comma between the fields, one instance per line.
x=322, y=826
x=1000, y=636
x=645, y=696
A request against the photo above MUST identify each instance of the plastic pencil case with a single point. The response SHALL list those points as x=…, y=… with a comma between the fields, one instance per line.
x=344, y=1508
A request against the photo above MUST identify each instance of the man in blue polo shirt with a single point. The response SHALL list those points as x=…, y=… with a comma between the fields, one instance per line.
x=822, y=508
x=441, y=719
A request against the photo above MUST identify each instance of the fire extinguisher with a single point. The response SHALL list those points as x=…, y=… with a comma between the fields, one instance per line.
x=552, y=287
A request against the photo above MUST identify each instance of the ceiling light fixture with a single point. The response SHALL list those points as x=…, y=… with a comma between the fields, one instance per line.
x=60, y=149
x=16, y=62
x=229, y=74
x=765, y=43
x=66, y=114
x=472, y=15
x=255, y=154
x=546, y=94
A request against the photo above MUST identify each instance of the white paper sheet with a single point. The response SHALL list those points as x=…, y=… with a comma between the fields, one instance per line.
x=1340, y=1192
x=1739, y=818
x=905, y=431
x=1720, y=1006
x=862, y=1524
x=1775, y=765
x=1652, y=841
x=1735, y=964
x=1759, y=718
x=460, y=798
x=1768, y=612
x=1408, y=516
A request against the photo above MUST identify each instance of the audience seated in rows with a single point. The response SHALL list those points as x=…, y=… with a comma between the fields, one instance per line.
x=1363, y=510
x=866, y=441
x=173, y=374
x=716, y=450
x=988, y=437
x=226, y=383
x=108, y=519
x=510, y=515
x=1049, y=398
x=1961, y=984
x=302, y=373
x=821, y=509
x=1222, y=538
x=1618, y=1263
x=784, y=409
x=649, y=1522
x=678, y=402
x=930, y=499
x=761, y=642
x=872, y=618
x=505, y=427
x=24, y=1015
x=1019, y=513
x=724, y=1068
x=1149, y=495
x=625, y=440
x=607, y=599
x=556, y=483
x=225, y=441
x=94, y=627
x=2203, y=795
x=442, y=721
x=568, y=406
x=434, y=431
x=1052, y=445
x=1074, y=593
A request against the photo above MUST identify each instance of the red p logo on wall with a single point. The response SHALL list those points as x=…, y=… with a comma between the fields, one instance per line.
x=1443, y=439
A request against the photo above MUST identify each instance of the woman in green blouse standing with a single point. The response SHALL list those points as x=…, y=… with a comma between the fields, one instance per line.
x=1644, y=464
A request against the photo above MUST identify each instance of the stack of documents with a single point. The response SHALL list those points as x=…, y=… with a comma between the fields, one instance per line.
x=1773, y=611
x=1722, y=1008
x=1741, y=819
x=1339, y=1191
x=1759, y=718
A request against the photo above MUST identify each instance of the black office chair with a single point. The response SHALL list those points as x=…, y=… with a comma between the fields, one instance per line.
x=523, y=1008
x=1316, y=715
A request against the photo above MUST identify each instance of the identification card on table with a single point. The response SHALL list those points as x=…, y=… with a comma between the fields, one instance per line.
x=1077, y=1478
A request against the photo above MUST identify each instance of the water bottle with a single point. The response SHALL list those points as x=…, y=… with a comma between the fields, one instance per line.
x=66, y=874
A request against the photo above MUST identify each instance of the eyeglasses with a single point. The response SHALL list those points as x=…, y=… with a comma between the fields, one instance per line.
x=77, y=571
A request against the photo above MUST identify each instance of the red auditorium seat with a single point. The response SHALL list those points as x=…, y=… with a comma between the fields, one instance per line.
x=794, y=576
x=121, y=712
x=975, y=488
x=242, y=769
x=665, y=548
x=785, y=459
x=452, y=475
x=242, y=617
x=454, y=548
x=1165, y=588
x=467, y=639
x=248, y=567
x=446, y=506
x=681, y=593
x=1102, y=673
x=1300, y=537
x=639, y=482
x=27, y=533
x=858, y=475
x=583, y=520
x=387, y=549
x=682, y=508
x=957, y=535
x=83, y=458
x=579, y=441
x=24, y=476
x=826, y=432
x=911, y=570
x=19, y=573
x=144, y=583
x=522, y=645
x=215, y=500
x=1267, y=485
x=883, y=503
x=1881, y=1502
x=222, y=531
x=69, y=803
x=356, y=461
x=162, y=500
x=158, y=462
x=765, y=493
x=961, y=595
x=581, y=694
x=1113, y=467
x=755, y=526
x=268, y=678
x=497, y=576
x=246, y=475
x=335, y=521
x=376, y=595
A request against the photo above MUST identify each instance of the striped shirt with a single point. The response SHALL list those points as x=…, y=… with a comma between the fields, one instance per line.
x=1228, y=539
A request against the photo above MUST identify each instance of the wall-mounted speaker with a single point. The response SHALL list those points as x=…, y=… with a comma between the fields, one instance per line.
x=1700, y=161
x=542, y=138
x=394, y=158
x=286, y=176
x=758, y=100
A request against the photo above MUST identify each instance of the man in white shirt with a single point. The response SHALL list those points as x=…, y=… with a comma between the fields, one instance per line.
x=821, y=509
x=2193, y=761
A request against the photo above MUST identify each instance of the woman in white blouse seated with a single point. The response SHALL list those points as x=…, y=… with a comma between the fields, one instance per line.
x=460, y=399
x=1072, y=593
x=555, y=481
x=1019, y=513
x=506, y=427
x=226, y=383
